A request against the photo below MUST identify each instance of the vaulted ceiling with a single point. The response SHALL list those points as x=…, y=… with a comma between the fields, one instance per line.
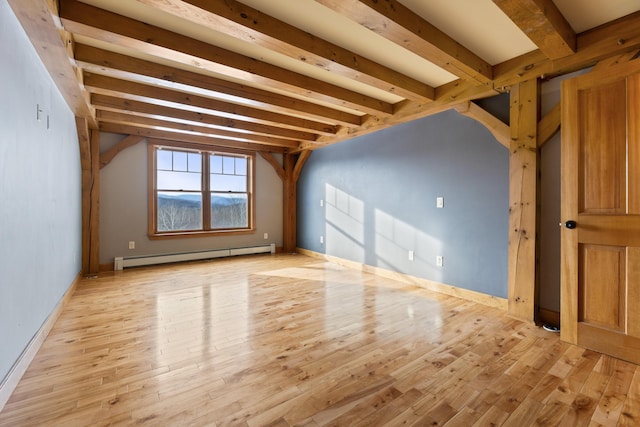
x=292, y=75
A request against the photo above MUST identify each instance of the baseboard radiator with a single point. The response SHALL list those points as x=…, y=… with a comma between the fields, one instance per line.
x=138, y=261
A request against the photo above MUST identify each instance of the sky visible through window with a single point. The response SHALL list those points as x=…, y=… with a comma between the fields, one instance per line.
x=181, y=190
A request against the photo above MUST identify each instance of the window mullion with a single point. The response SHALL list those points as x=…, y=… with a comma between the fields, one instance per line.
x=206, y=192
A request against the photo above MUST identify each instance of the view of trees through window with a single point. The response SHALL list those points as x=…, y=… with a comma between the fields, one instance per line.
x=181, y=192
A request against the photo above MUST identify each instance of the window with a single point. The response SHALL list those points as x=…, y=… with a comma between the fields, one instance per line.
x=197, y=191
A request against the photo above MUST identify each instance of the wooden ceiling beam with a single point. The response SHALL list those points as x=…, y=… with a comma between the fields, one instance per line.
x=614, y=38
x=41, y=24
x=131, y=106
x=245, y=23
x=226, y=109
x=396, y=22
x=114, y=64
x=448, y=96
x=155, y=123
x=92, y=22
x=543, y=23
x=615, y=60
x=172, y=135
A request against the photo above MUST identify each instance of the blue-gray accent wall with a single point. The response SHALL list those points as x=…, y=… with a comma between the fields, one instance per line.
x=40, y=193
x=373, y=199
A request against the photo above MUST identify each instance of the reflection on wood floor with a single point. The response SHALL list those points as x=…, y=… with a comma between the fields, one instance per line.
x=289, y=340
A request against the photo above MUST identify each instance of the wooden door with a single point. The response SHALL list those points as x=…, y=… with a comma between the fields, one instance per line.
x=600, y=292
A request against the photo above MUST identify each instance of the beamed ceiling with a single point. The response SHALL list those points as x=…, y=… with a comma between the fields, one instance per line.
x=292, y=75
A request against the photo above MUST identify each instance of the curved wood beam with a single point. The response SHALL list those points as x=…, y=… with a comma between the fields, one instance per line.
x=549, y=125
x=274, y=164
x=111, y=153
x=498, y=129
x=302, y=159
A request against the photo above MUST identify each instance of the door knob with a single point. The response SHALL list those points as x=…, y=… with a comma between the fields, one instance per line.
x=570, y=224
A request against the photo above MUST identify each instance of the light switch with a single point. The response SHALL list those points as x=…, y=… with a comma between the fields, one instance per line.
x=440, y=202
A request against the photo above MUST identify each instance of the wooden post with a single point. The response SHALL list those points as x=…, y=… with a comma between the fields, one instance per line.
x=289, y=210
x=523, y=200
x=292, y=168
x=90, y=163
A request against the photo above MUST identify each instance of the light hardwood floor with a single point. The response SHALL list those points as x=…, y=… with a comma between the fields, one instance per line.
x=289, y=340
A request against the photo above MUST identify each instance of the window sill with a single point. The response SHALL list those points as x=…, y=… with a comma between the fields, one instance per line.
x=192, y=234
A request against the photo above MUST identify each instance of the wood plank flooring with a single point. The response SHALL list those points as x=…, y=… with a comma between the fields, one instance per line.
x=284, y=340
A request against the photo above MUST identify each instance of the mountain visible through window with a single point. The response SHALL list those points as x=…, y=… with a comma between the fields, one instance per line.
x=186, y=181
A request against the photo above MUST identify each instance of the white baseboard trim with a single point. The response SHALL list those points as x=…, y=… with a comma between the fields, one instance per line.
x=9, y=383
x=465, y=294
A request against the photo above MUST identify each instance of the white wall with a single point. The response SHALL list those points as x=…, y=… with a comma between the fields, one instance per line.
x=40, y=193
x=123, y=209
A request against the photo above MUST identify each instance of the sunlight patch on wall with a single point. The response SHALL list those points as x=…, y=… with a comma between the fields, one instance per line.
x=395, y=238
x=344, y=225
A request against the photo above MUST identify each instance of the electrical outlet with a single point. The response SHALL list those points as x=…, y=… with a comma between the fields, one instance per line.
x=321, y=240
x=412, y=256
x=266, y=236
x=440, y=202
x=321, y=203
x=439, y=260
x=132, y=244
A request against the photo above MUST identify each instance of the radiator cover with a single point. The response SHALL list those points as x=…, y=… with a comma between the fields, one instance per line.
x=138, y=261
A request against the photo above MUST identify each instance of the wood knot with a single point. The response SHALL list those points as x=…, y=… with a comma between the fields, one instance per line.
x=581, y=402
